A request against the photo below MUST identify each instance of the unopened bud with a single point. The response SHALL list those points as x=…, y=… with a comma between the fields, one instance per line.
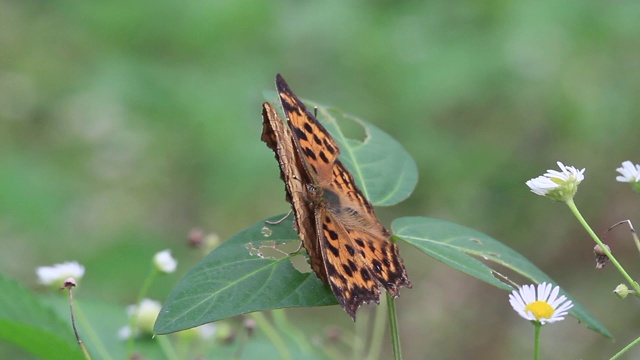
x=195, y=238
x=622, y=291
x=601, y=258
x=250, y=326
x=69, y=283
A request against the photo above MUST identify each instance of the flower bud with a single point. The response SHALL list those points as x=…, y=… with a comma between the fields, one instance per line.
x=601, y=257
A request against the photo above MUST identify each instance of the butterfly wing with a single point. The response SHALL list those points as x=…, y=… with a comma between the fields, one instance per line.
x=314, y=143
x=370, y=239
x=356, y=251
x=278, y=138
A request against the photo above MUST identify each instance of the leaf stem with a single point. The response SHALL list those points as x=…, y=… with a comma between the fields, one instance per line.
x=393, y=328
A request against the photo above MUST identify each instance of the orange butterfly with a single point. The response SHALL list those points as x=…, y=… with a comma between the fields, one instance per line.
x=348, y=247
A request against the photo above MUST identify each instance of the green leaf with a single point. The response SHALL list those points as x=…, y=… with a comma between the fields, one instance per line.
x=385, y=172
x=230, y=281
x=457, y=246
x=383, y=169
x=26, y=322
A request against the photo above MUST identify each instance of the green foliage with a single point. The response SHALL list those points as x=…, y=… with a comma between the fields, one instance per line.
x=122, y=130
x=232, y=280
x=384, y=170
x=459, y=246
x=27, y=322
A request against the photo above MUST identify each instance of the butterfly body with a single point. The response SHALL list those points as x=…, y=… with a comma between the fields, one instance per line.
x=348, y=247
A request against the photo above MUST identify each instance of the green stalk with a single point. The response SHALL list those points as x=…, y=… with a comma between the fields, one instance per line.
x=360, y=336
x=272, y=334
x=626, y=348
x=536, y=341
x=141, y=294
x=613, y=260
x=96, y=340
x=393, y=328
x=379, y=326
x=167, y=347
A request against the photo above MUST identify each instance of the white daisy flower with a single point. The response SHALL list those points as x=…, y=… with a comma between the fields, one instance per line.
x=544, y=306
x=57, y=274
x=165, y=262
x=557, y=185
x=144, y=316
x=629, y=172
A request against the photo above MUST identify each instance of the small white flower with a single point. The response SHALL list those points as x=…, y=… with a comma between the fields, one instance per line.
x=557, y=185
x=144, y=315
x=206, y=331
x=544, y=306
x=124, y=333
x=165, y=262
x=630, y=172
x=58, y=273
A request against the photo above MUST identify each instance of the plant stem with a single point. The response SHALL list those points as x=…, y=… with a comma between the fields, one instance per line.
x=141, y=294
x=360, y=335
x=272, y=334
x=73, y=323
x=633, y=343
x=393, y=328
x=613, y=260
x=89, y=331
x=536, y=341
x=379, y=326
x=167, y=347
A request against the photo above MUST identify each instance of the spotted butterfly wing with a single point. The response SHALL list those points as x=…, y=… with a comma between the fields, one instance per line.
x=351, y=250
x=277, y=136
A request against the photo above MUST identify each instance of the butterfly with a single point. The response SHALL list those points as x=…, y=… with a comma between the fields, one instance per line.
x=347, y=246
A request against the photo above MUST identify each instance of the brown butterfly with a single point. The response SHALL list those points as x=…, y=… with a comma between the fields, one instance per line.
x=348, y=247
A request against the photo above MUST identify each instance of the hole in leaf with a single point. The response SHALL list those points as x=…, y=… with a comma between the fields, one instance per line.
x=266, y=232
x=267, y=250
x=274, y=250
x=301, y=263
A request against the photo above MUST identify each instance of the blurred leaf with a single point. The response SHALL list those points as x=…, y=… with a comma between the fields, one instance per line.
x=455, y=245
x=230, y=281
x=26, y=322
x=98, y=324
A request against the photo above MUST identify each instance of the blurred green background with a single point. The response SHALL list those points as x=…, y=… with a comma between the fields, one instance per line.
x=123, y=125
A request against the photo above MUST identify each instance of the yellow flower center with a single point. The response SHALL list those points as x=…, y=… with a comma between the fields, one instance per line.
x=540, y=309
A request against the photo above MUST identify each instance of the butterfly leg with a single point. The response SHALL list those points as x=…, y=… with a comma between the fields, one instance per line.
x=279, y=220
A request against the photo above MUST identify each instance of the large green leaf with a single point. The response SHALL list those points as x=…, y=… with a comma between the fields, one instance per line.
x=459, y=247
x=383, y=169
x=385, y=172
x=231, y=281
x=26, y=322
